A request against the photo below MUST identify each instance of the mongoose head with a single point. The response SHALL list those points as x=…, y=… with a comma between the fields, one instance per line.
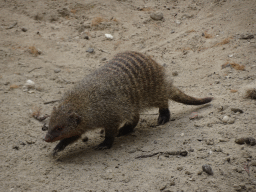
x=63, y=124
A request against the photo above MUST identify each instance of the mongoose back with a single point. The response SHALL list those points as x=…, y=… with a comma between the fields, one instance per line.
x=112, y=96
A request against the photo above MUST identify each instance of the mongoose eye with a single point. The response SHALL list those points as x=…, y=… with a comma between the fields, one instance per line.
x=58, y=128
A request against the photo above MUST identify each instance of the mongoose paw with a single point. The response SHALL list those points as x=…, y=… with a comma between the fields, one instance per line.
x=59, y=147
x=164, y=116
x=54, y=153
x=106, y=144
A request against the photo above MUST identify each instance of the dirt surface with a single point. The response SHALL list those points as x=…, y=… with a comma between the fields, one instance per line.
x=208, y=47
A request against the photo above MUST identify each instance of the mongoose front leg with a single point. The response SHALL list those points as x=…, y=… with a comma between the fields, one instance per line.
x=106, y=144
x=128, y=127
x=63, y=143
x=164, y=116
x=110, y=134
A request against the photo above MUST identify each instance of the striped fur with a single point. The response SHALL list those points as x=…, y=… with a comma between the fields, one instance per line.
x=113, y=95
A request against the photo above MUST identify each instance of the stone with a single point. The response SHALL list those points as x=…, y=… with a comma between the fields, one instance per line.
x=207, y=168
x=24, y=29
x=225, y=119
x=175, y=73
x=57, y=70
x=90, y=50
x=156, y=15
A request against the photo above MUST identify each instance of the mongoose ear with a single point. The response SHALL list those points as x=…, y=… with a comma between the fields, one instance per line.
x=75, y=118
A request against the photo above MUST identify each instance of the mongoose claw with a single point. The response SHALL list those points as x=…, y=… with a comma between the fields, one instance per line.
x=54, y=153
x=59, y=147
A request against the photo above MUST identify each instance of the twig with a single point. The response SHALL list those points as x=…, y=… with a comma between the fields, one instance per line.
x=41, y=118
x=34, y=69
x=182, y=153
x=103, y=51
x=53, y=101
x=13, y=25
x=145, y=156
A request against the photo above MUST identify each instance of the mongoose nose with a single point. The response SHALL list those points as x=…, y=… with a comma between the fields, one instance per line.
x=47, y=138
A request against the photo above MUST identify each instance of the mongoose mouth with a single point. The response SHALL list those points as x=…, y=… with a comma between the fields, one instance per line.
x=50, y=138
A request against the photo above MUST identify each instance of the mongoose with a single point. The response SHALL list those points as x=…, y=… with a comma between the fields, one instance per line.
x=112, y=96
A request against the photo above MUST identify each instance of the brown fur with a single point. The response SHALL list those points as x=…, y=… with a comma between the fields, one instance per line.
x=115, y=94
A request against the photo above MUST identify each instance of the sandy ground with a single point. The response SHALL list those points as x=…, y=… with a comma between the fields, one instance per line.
x=207, y=47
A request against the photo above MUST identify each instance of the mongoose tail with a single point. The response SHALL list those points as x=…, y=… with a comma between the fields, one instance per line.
x=178, y=96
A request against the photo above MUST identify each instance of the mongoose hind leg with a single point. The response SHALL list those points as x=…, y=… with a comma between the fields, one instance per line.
x=129, y=127
x=64, y=143
x=164, y=116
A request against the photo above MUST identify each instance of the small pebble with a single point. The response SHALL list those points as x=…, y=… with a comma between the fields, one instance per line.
x=22, y=143
x=172, y=183
x=175, y=73
x=188, y=173
x=248, y=140
x=225, y=119
x=210, y=142
x=235, y=110
x=223, y=140
x=28, y=85
x=109, y=36
x=199, y=172
x=231, y=121
x=85, y=37
x=157, y=15
x=16, y=147
x=57, y=70
x=90, y=50
x=132, y=151
x=218, y=149
x=177, y=22
x=24, y=29
x=228, y=159
x=238, y=170
x=207, y=168
x=179, y=168
x=237, y=187
x=30, y=142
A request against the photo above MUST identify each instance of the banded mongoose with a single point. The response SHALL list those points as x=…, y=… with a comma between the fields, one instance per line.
x=112, y=96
